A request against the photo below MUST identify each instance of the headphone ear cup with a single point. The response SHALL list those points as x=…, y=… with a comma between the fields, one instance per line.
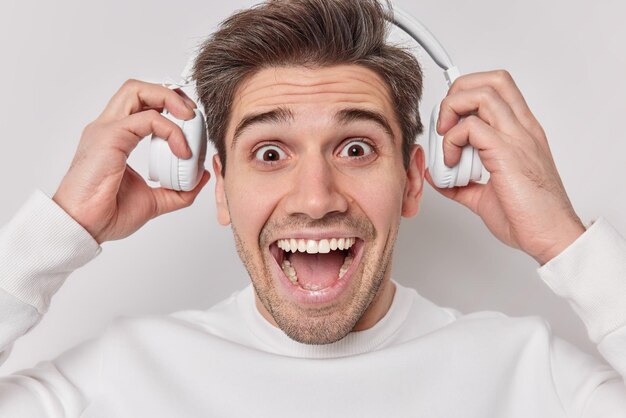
x=160, y=162
x=190, y=171
x=173, y=172
x=442, y=175
x=468, y=169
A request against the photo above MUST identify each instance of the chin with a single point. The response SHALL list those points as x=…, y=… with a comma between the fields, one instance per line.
x=320, y=322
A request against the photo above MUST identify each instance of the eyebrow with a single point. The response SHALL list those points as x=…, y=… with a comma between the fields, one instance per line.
x=278, y=115
x=283, y=114
x=346, y=116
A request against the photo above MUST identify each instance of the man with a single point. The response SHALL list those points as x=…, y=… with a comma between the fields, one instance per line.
x=313, y=117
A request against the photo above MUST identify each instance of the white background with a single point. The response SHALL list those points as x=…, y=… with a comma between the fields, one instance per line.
x=63, y=60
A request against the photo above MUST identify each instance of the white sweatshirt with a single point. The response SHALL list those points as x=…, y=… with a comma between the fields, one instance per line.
x=420, y=360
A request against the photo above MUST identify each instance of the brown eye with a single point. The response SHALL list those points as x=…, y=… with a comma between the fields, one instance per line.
x=356, y=149
x=269, y=154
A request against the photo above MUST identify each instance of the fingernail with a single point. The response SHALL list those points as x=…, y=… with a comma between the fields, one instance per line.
x=187, y=153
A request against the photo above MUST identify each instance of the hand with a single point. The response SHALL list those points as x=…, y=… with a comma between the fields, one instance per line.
x=524, y=203
x=100, y=190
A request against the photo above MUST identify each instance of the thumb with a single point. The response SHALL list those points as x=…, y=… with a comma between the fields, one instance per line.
x=171, y=200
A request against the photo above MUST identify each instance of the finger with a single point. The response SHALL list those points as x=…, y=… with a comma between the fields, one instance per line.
x=474, y=131
x=503, y=83
x=171, y=200
x=135, y=96
x=182, y=94
x=148, y=122
x=483, y=101
x=190, y=103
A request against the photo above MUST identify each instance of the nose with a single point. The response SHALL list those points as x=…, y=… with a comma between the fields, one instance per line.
x=315, y=189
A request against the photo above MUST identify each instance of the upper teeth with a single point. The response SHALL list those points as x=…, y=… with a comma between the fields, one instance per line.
x=311, y=246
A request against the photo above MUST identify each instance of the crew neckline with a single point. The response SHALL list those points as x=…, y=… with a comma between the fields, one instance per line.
x=274, y=340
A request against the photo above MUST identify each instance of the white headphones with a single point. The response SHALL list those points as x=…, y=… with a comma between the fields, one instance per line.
x=177, y=174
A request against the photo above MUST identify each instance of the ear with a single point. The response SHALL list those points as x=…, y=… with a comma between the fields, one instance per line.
x=223, y=216
x=414, y=182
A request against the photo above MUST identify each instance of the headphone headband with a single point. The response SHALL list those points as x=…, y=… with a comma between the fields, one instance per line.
x=404, y=21
x=416, y=30
x=468, y=169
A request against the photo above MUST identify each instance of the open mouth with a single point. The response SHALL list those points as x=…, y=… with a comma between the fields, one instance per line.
x=314, y=265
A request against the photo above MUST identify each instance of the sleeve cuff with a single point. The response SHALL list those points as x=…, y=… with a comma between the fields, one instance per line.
x=591, y=275
x=39, y=247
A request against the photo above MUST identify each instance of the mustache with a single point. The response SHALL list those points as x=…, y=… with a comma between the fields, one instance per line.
x=359, y=225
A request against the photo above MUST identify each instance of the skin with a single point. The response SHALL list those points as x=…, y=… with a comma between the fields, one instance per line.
x=524, y=204
x=313, y=187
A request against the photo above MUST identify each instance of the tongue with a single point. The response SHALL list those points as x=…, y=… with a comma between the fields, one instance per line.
x=317, y=271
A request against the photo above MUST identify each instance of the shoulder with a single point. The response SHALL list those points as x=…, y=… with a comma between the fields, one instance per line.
x=214, y=320
x=127, y=339
x=494, y=325
x=221, y=317
x=478, y=327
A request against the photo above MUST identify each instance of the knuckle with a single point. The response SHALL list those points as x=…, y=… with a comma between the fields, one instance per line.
x=457, y=84
x=152, y=113
x=503, y=77
x=448, y=145
x=90, y=129
x=445, y=105
x=472, y=121
x=130, y=84
x=448, y=106
x=452, y=137
x=487, y=93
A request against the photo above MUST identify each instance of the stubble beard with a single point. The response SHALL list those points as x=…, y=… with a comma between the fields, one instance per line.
x=318, y=325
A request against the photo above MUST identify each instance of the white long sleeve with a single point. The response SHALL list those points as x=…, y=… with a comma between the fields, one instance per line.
x=39, y=248
x=591, y=275
x=419, y=360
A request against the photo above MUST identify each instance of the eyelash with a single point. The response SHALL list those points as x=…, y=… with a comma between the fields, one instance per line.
x=255, y=151
x=364, y=141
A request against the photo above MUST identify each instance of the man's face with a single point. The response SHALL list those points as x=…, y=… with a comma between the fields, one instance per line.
x=314, y=189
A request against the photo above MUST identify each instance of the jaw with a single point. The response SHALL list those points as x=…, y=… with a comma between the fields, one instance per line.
x=355, y=303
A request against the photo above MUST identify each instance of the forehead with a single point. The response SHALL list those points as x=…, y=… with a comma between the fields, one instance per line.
x=306, y=91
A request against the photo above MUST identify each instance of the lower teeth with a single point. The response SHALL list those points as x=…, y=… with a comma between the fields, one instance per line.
x=290, y=272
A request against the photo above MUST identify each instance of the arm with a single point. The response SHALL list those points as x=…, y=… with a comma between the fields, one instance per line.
x=39, y=248
x=525, y=205
x=100, y=199
x=590, y=275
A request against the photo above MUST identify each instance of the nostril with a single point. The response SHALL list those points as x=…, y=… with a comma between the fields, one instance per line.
x=317, y=206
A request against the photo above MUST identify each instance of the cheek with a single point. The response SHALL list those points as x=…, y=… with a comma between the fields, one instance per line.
x=380, y=197
x=251, y=202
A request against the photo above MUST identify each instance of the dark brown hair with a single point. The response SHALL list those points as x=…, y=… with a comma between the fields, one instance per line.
x=312, y=33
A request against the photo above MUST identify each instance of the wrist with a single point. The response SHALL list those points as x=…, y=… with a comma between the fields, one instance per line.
x=67, y=207
x=567, y=232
